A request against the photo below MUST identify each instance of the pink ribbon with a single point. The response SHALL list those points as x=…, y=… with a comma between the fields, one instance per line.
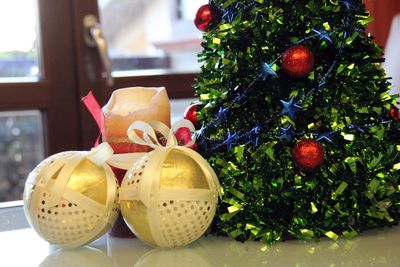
x=95, y=110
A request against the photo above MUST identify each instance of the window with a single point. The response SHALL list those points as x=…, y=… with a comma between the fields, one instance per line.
x=19, y=49
x=21, y=149
x=39, y=112
x=151, y=35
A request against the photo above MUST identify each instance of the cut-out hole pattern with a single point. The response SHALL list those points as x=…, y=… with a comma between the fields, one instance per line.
x=180, y=222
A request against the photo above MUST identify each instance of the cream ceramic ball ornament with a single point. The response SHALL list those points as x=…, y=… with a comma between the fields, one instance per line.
x=71, y=198
x=169, y=196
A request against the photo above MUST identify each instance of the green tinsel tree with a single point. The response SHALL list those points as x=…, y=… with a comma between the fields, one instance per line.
x=257, y=107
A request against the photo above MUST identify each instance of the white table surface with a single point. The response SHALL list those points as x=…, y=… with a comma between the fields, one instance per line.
x=375, y=248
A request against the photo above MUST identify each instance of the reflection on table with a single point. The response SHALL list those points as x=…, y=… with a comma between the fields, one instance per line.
x=374, y=248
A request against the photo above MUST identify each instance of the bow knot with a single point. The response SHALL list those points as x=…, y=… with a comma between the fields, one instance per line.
x=149, y=137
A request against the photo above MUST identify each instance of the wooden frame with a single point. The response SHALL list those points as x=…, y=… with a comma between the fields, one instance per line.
x=55, y=94
x=178, y=85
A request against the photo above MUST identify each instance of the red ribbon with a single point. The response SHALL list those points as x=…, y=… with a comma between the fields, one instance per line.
x=94, y=108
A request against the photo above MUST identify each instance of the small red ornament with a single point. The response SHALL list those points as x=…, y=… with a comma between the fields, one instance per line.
x=298, y=61
x=191, y=113
x=308, y=155
x=184, y=136
x=394, y=113
x=204, y=17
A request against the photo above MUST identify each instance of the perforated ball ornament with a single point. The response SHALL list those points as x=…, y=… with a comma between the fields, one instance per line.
x=169, y=196
x=71, y=198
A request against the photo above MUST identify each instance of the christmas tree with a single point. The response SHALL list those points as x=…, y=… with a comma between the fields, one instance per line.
x=296, y=119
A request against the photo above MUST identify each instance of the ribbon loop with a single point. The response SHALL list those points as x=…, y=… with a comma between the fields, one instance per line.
x=160, y=127
x=185, y=124
x=95, y=110
x=100, y=154
x=149, y=133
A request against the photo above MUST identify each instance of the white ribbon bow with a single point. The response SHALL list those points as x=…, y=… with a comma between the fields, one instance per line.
x=149, y=138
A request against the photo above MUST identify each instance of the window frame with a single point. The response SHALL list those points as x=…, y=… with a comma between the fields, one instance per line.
x=51, y=94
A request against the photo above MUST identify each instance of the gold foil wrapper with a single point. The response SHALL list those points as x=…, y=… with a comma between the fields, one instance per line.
x=89, y=180
x=180, y=171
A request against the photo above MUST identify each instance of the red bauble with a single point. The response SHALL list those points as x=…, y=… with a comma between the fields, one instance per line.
x=191, y=113
x=308, y=155
x=298, y=61
x=184, y=136
x=394, y=113
x=204, y=17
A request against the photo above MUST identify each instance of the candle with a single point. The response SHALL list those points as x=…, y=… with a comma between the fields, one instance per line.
x=124, y=107
x=132, y=104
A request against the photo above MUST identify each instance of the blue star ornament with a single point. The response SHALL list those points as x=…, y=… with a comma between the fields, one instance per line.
x=222, y=115
x=348, y=4
x=201, y=131
x=230, y=14
x=356, y=127
x=286, y=133
x=255, y=135
x=290, y=107
x=266, y=70
x=327, y=136
x=230, y=141
x=241, y=97
x=323, y=35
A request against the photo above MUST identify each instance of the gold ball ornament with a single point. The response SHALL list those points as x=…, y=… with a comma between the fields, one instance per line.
x=169, y=197
x=71, y=198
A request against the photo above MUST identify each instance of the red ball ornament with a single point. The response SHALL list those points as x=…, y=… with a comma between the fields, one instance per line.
x=191, y=113
x=298, y=61
x=394, y=113
x=184, y=136
x=308, y=155
x=204, y=17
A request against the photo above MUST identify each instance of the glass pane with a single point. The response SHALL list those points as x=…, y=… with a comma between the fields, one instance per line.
x=21, y=149
x=19, y=59
x=151, y=35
